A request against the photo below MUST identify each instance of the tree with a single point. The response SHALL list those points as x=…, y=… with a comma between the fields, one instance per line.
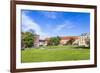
x=87, y=40
x=54, y=41
x=27, y=39
x=70, y=42
x=32, y=31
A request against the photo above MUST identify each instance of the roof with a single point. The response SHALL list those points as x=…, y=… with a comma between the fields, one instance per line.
x=69, y=37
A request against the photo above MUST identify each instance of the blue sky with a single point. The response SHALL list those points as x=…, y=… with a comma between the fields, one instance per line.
x=50, y=23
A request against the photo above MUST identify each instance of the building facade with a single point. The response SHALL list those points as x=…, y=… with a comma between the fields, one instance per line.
x=66, y=39
x=36, y=41
x=83, y=40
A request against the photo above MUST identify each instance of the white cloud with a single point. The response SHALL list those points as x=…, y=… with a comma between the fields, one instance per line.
x=65, y=25
x=51, y=15
x=29, y=23
x=59, y=27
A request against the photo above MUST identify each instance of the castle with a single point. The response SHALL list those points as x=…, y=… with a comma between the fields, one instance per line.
x=82, y=40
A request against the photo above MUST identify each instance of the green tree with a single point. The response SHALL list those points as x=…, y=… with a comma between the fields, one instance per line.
x=70, y=42
x=54, y=41
x=27, y=39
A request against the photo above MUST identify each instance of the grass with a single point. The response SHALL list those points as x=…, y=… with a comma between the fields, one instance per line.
x=54, y=53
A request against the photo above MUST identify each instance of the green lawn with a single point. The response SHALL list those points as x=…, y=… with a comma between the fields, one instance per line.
x=54, y=53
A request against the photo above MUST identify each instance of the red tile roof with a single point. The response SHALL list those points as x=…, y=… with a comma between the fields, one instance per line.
x=69, y=37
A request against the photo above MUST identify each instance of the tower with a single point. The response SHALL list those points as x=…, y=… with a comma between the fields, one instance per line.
x=36, y=41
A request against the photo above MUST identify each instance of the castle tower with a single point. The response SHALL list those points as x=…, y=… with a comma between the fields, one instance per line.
x=36, y=41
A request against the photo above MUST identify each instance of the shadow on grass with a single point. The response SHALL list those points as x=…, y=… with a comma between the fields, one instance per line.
x=82, y=47
x=59, y=47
